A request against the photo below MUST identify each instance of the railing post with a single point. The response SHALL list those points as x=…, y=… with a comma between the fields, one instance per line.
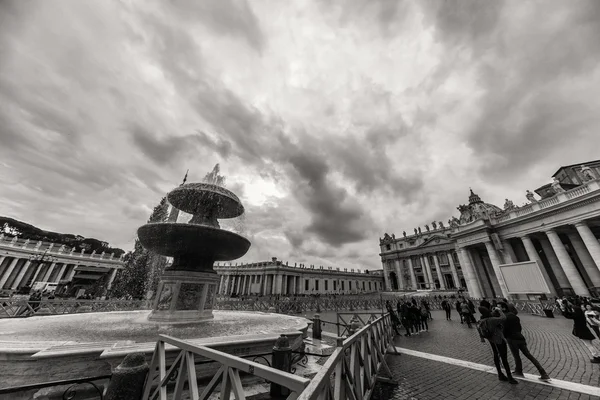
x=127, y=381
x=353, y=327
x=316, y=327
x=282, y=360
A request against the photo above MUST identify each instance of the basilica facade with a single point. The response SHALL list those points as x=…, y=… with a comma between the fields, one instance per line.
x=548, y=246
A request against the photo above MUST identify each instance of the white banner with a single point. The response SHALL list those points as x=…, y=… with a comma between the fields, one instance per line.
x=524, y=278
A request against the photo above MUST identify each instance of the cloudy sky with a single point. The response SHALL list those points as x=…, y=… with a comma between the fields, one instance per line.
x=334, y=120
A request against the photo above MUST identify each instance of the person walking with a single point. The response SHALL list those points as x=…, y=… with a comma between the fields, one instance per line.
x=424, y=317
x=393, y=316
x=406, y=318
x=466, y=314
x=518, y=344
x=459, y=310
x=447, y=308
x=581, y=330
x=416, y=317
x=491, y=328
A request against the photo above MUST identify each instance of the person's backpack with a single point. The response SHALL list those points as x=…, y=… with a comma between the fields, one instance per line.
x=484, y=329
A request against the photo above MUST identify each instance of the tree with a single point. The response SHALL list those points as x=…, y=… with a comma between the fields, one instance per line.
x=142, y=270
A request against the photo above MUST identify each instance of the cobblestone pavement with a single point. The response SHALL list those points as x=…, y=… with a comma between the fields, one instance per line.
x=422, y=379
x=550, y=341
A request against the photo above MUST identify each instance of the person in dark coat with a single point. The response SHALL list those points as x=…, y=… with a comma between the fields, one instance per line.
x=496, y=339
x=580, y=329
x=518, y=344
x=447, y=308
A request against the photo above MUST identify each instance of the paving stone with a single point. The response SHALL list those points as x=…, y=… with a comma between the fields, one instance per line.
x=549, y=340
x=423, y=379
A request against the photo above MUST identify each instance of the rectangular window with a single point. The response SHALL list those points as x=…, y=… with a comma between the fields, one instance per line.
x=306, y=284
x=317, y=284
x=343, y=285
x=349, y=285
x=370, y=286
x=363, y=285
x=334, y=285
x=326, y=285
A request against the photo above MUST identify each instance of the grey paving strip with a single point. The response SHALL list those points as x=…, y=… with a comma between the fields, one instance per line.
x=557, y=383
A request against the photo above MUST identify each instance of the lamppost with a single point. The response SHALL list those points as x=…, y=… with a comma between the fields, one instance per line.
x=39, y=260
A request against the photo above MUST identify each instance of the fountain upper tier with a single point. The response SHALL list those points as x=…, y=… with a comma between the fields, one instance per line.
x=206, y=198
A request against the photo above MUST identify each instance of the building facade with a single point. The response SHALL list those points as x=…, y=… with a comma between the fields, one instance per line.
x=425, y=260
x=558, y=232
x=23, y=263
x=277, y=278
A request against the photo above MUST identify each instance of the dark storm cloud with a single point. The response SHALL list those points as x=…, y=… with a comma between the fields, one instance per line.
x=529, y=110
x=163, y=150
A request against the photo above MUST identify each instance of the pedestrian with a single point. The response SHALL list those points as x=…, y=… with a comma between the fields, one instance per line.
x=581, y=330
x=490, y=328
x=485, y=303
x=459, y=310
x=518, y=344
x=466, y=314
x=406, y=318
x=424, y=317
x=416, y=316
x=593, y=319
x=511, y=307
x=447, y=308
x=425, y=303
x=393, y=316
x=472, y=309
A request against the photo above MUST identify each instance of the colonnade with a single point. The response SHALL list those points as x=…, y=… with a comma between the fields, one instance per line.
x=568, y=256
x=266, y=284
x=429, y=270
x=16, y=272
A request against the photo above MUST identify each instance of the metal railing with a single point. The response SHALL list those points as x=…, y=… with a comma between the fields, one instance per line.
x=183, y=371
x=354, y=366
x=350, y=372
x=24, y=308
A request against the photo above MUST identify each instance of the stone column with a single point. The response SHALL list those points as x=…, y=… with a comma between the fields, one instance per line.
x=508, y=253
x=38, y=269
x=2, y=258
x=49, y=272
x=533, y=256
x=439, y=272
x=469, y=273
x=8, y=271
x=71, y=274
x=401, y=284
x=567, y=264
x=386, y=277
x=413, y=276
x=221, y=284
x=591, y=243
x=454, y=271
x=64, y=266
x=559, y=274
x=113, y=274
x=493, y=254
x=19, y=278
x=427, y=269
x=585, y=257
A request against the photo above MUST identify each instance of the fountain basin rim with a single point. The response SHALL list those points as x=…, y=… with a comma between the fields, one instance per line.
x=190, y=196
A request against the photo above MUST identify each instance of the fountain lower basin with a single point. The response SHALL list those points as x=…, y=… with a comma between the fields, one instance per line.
x=41, y=349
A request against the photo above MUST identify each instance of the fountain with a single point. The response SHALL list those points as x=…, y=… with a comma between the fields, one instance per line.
x=188, y=286
x=44, y=348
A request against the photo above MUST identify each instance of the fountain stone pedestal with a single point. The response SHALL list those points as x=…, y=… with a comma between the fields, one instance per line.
x=185, y=296
x=187, y=289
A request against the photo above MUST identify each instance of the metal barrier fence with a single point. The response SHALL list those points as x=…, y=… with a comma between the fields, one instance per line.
x=350, y=372
x=11, y=308
x=183, y=371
